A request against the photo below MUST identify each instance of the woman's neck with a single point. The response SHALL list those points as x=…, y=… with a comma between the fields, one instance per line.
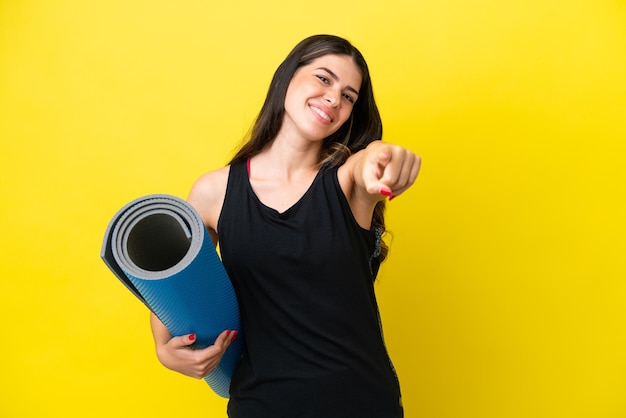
x=287, y=157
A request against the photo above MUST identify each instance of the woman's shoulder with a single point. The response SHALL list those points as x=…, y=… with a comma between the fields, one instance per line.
x=212, y=179
x=207, y=195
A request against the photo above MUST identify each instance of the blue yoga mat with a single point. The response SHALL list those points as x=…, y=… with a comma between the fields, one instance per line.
x=159, y=248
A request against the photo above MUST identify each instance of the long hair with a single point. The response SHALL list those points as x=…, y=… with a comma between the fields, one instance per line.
x=362, y=127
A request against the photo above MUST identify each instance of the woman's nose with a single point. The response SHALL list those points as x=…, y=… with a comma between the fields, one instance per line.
x=332, y=97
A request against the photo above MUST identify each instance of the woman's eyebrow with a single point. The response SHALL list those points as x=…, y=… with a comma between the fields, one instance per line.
x=333, y=75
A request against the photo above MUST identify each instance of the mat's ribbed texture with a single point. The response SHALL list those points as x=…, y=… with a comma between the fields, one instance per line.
x=159, y=248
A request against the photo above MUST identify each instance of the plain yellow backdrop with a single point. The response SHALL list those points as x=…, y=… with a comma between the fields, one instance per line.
x=504, y=294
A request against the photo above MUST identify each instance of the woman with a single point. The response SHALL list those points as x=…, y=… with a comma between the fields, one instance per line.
x=299, y=217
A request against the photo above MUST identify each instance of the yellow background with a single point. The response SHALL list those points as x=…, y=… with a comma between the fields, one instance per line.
x=504, y=295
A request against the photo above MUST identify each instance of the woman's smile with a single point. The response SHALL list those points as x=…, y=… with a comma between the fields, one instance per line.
x=326, y=115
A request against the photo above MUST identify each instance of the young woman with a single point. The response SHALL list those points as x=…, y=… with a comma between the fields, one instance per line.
x=299, y=217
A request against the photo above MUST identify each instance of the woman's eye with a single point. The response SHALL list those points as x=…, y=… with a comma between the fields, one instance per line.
x=323, y=79
x=348, y=98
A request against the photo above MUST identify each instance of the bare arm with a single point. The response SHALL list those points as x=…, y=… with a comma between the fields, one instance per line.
x=372, y=174
x=176, y=353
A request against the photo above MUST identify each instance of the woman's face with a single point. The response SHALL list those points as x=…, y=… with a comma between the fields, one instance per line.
x=321, y=95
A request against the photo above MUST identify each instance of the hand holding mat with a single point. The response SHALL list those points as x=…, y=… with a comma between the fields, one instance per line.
x=160, y=250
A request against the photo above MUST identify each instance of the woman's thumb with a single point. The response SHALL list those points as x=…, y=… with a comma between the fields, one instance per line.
x=185, y=340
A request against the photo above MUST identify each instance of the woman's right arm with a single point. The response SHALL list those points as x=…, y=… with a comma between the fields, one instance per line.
x=175, y=353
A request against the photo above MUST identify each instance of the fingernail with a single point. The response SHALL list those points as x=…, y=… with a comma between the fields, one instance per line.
x=192, y=337
x=385, y=192
x=234, y=336
x=393, y=196
x=228, y=333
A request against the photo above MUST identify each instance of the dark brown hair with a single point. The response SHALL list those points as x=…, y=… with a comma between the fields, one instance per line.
x=363, y=126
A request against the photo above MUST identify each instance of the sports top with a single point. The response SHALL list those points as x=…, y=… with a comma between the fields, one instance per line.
x=304, y=280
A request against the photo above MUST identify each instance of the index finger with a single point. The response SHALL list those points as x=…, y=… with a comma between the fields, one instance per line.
x=374, y=169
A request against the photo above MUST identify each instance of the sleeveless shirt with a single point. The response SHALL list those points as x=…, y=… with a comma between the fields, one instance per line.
x=304, y=279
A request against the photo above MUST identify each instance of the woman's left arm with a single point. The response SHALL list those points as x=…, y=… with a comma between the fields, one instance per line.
x=380, y=170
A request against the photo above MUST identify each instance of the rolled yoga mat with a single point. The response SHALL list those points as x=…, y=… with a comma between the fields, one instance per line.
x=159, y=248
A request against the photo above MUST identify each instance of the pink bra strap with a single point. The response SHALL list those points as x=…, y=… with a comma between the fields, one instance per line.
x=248, y=166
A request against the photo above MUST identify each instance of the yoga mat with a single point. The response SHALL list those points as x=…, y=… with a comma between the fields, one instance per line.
x=159, y=248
